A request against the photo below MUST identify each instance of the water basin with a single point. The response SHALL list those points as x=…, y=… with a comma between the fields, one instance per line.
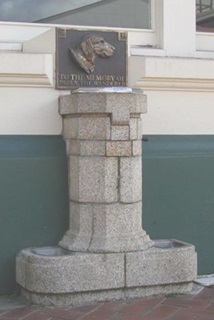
x=51, y=251
x=169, y=243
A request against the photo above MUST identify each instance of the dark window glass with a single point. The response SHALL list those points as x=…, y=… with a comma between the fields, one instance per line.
x=205, y=15
x=110, y=13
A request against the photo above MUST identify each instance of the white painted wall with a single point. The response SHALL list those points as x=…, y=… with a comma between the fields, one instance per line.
x=29, y=111
x=178, y=27
x=180, y=94
x=177, y=112
x=180, y=88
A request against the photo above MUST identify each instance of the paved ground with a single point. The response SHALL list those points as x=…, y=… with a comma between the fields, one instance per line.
x=197, y=306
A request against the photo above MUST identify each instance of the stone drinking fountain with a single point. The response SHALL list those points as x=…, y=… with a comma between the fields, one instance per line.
x=105, y=254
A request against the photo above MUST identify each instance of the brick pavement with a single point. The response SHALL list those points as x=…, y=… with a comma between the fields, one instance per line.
x=196, y=306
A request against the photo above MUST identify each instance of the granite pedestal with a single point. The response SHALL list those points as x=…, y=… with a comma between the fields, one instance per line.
x=105, y=254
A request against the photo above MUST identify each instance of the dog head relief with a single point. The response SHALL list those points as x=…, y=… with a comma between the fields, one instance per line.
x=90, y=47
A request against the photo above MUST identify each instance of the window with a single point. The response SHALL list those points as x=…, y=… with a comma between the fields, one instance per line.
x=205, y=15
x=103, y=13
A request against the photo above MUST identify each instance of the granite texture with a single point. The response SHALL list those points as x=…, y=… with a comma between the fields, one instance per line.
x=78, y=272
x=106, y=228
x=118, y=149
x=79, y=235
x=117, y=228
x=134, y=129
x=120, y=132
x=72, y=299
x=86, y=147
x=84, y=278
x=161, y=266
x=85, y=298
x=120, y=105
x=93, y=179
x=84, y=128
x=130, y=179
x=137, y=148
x=109, y=255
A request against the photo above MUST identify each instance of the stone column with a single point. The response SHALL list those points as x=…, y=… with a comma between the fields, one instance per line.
x=109, y=255
x=103, y=138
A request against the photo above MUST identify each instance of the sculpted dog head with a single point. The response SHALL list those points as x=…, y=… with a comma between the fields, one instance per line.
x=91, y=47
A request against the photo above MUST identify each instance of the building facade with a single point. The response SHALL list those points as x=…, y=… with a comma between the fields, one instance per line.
x=173, y=63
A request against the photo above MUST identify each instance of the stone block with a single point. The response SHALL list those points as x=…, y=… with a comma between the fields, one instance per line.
x=130, y=179
x=20, y=271
x=77, y=272
x=73, y=147
x=120, y=115
x=118, y=228
x=118, y=148
x=82, y=103
x=122, y=105
x=73, y=299
x=136, y=128
x=70, y=128
x=120, y=133
x=139, y=129
x=109, y=255
x=170, y=289
x=88, y=277
x=87, y=128
x=133, y=129
x=85, y=298
x=157, y=266
x=119, y=105
x=137, y=148
x=94, y=128
x=78, y=237
x=99, y=172
x=86, y=147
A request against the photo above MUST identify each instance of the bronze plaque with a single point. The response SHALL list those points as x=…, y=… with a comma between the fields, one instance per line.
x=90, y=58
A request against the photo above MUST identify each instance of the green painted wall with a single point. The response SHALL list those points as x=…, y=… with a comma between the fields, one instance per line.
x=178, y=192
x=34, y=198
x=178, y=195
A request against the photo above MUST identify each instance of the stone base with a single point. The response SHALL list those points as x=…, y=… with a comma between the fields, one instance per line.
x=105, y=228
x=69, y=278
x=73, y=299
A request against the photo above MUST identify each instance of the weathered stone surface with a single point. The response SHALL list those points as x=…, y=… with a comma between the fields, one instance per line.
x=79, y=235
x=86, y=147
x=140, y=129
x=130, y=179
x=20, y=271
x=70, y=128
x=82, y=103
x=122, y=105
x=72, y=299
x=157, y=266
x=117, y=228
x=96, y=128
x=167, y=289
x=133, y=129
x=109, y=255
x=106, y=228
x=118, y=148
x=93, y=179
x=119, y=104
x=78, y=272
x=88, y=277
x=137, y=148
x=120, y=133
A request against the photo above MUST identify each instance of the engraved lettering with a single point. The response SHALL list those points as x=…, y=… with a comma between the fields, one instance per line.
x=90, y=47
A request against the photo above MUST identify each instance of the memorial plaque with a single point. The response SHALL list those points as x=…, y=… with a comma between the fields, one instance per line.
x=90, y=58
